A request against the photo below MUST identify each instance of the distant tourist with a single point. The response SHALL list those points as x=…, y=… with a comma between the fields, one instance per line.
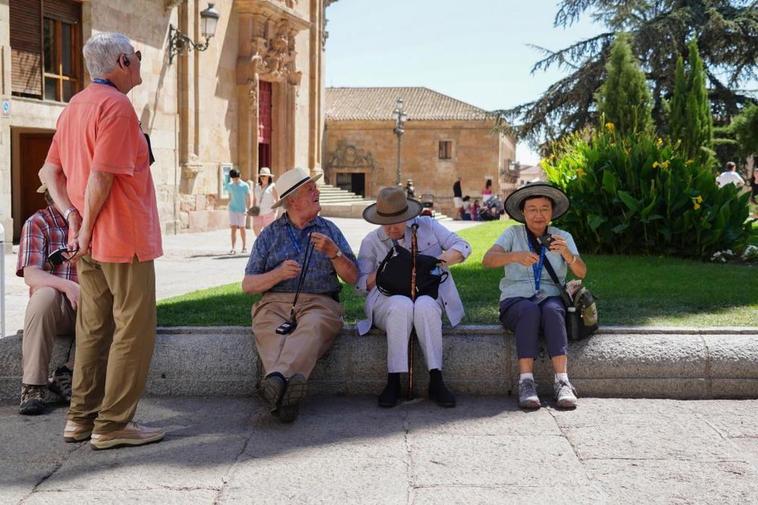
x=487, y=191
x=458, y=198
x=754, y=185
x=530, y=301
x=730, y=176
x=265, y=196
x=410, y=190
x=467, y=209
x=239, y=201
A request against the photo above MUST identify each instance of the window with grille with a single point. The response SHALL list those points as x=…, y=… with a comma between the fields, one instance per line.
x=446, y=149
x=46, y=47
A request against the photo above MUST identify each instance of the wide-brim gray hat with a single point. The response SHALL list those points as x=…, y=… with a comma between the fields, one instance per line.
x=514, y=202
x=392, y=206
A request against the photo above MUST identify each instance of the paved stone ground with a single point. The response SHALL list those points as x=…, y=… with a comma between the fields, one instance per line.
x=346, y=450
x=191, y=261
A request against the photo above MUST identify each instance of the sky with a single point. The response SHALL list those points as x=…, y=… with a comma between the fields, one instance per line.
x=477, y=51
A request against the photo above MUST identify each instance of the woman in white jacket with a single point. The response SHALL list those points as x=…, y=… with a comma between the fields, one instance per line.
x=265, y=197
x=398, y=314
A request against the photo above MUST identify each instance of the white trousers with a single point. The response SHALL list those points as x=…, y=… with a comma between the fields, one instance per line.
x=398, y=315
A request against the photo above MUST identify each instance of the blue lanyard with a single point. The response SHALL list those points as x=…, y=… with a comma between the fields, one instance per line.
x=104, y=81
x=293, y=239
x=537, y=267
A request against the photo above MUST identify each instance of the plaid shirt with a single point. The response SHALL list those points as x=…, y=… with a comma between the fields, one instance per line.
x=44, y=232
x=281, y=241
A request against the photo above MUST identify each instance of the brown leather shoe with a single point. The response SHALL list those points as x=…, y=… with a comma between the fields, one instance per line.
x=77, y=432
x=132, y=434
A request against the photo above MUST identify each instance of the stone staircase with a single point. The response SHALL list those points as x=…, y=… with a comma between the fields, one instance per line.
x=337, y=202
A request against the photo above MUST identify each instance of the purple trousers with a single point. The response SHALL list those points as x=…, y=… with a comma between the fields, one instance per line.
x=525, y=317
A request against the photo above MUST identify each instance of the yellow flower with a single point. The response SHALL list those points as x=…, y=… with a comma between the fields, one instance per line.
x=610, y=126
x=665, y=164
x=689, y=162
x=696, y=201
x=580, y=172
x=656, y=164
x=659, y=142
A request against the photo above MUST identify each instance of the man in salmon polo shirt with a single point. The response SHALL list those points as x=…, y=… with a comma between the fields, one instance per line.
x=98, y=170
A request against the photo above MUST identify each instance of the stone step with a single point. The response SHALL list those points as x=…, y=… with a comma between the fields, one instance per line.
x=618, y=362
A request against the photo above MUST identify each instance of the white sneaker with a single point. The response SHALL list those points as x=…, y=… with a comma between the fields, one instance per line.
x=565, y=395
x=132, y=434
x=527, y=395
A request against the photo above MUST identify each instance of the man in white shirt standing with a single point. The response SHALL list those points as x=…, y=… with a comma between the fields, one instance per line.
x=730, y=176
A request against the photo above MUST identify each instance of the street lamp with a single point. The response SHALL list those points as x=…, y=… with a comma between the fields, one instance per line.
x=178, y=41
x=400, y=118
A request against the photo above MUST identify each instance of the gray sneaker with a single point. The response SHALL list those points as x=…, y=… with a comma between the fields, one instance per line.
x=565, y=395
x=527, y=395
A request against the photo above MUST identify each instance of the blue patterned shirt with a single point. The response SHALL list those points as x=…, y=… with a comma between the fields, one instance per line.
x=281, y=241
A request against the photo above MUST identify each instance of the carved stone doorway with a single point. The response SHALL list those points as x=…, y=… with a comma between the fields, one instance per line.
x=352, y=181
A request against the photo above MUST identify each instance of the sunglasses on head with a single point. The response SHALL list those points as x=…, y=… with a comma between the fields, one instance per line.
x=126, y=61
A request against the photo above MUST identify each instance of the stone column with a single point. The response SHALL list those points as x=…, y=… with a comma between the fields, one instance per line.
x=252, y=128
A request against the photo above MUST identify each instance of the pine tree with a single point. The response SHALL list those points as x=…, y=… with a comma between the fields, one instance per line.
x=624, y=98
x=698, y=139
x=678, y=104
x=690, y=119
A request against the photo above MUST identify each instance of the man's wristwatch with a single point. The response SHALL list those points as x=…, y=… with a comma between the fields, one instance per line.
x=339, y=253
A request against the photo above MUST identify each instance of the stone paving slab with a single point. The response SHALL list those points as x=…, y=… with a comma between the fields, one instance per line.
x=347, y=450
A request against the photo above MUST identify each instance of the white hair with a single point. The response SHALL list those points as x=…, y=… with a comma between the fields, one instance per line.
x=102, y=50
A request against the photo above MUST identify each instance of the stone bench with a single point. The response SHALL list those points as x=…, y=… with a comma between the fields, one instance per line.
x=481, y=360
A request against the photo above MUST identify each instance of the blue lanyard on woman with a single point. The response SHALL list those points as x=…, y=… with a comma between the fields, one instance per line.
x=537, y=267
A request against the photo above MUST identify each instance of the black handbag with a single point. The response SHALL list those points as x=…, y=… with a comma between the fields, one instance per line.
x=581, y=309
x=393, y=277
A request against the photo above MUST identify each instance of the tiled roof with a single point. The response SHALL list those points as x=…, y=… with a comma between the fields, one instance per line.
x=420, y=104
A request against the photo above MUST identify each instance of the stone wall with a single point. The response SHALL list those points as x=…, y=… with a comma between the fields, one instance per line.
x=477, y=154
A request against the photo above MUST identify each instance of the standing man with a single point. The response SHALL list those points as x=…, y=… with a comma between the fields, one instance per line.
x=98, y=169
x=239, y=202
x=458, y=198
x=53, y=297
x=730, y=176
x=277, y=268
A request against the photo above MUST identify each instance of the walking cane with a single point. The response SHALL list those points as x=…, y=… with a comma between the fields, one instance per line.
x=414, y=251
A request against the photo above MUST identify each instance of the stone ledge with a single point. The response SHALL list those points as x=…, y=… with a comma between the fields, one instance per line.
x=633, y=362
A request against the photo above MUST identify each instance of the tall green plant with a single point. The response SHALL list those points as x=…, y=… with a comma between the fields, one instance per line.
x=624, y=98
x=690, y=116
x=638, y=194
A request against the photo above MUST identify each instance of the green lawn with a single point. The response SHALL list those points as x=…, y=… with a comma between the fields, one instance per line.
x=630, y=290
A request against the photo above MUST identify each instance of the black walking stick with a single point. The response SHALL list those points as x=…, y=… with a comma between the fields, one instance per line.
x=289, y=326
x=414, y=251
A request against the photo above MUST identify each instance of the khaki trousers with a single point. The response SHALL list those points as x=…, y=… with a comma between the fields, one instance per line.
x=319, y=320
x=115, y=328
x=48, y=315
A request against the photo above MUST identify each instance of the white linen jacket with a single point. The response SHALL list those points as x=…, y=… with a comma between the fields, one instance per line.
x=433, y=239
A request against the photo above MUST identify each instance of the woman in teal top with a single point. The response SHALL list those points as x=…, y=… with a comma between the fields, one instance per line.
x=529, y=299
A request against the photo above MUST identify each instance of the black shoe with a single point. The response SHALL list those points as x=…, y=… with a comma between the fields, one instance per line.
x=391, y=393
x=289, y=407
x=61, y=383
x=272, y=389
x=438, y=392
x=32, y=400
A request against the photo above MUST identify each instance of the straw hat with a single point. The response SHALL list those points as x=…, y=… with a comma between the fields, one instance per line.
x=392, y=206
x=290, y=181
x=513, y=204
x=42, y=188
x=265, y=171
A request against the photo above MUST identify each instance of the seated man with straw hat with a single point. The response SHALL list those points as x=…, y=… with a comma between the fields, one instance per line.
x=295, y=263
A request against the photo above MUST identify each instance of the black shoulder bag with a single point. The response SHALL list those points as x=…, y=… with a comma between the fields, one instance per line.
x=581, y=309
x=393, y=277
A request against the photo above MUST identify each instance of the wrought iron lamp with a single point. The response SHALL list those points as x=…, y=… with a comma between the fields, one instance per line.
x=400, y=118
x=178, y=41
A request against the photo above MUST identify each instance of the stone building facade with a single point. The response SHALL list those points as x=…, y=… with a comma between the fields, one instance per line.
x=444, y=139
x=253, y=98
